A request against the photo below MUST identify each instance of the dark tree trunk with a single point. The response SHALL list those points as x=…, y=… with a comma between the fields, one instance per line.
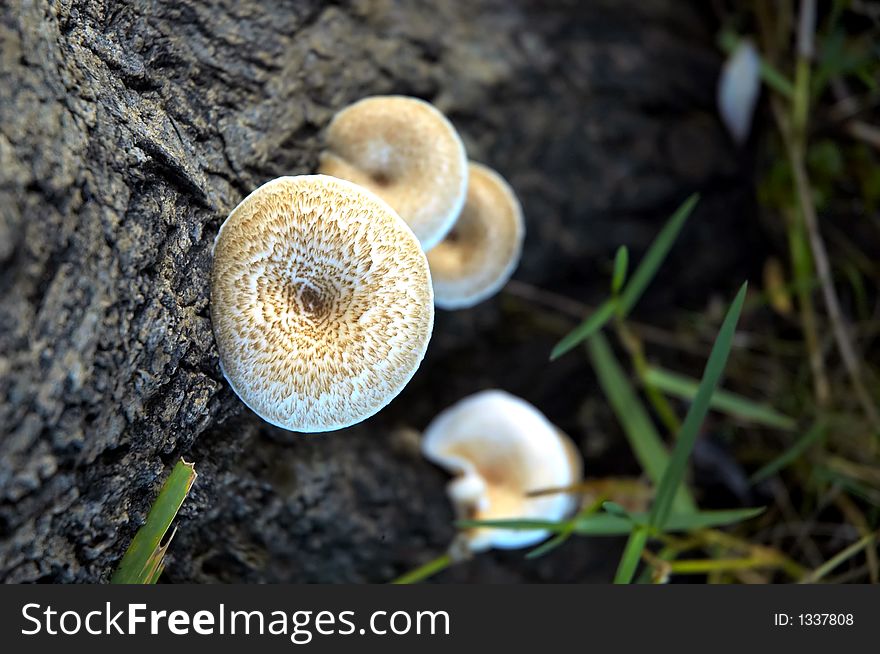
x=128, y=130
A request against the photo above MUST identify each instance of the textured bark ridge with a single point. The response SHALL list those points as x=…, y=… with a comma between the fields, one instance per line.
x=128, y=130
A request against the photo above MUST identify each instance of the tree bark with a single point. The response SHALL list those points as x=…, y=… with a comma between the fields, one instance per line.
x=128, y=130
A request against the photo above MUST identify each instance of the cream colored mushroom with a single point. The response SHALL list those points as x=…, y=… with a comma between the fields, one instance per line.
x=321, y=302
x=501, y=448
x=480, y=253
x=406, y=152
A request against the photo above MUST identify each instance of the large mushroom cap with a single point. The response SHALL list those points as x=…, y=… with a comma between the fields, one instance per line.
x=406, y=152
x=502, y=448
x=321, y=302
x=480, y=253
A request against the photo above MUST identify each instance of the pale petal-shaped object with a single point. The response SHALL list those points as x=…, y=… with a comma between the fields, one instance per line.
x=738, y=90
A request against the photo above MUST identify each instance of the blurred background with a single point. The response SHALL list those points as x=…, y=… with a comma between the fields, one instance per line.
x=129, y=130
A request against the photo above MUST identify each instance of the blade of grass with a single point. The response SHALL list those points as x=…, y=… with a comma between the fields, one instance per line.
x=632, y=554
x=725, y=542
x=142, y=562
x=857, y=488
x=615, y=509
x=709, y=519
x=690, y=429
x=621, y=265
x=550, y=545
x=736, y=405
x=606, y=524
x=640, y=431
x=547, y=525
x=594, y=322
x=655, y=255
x=840, y=557
x=639, y=281
x=609, y=487
x=562, y=536
x=816, y=433
x=856, y=517
x=705, y=566
x=424, y=571
x=157, y=561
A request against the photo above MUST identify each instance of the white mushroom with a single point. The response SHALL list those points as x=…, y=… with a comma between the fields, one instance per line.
x=480, y=253
x=738, y=89
x=406, y=152
x=501, y=448
x=321, y=302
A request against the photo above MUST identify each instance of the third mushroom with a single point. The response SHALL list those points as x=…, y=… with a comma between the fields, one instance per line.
x=501, y=449
x=480, y=253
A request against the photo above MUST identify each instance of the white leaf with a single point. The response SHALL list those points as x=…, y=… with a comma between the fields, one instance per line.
x=738, y=89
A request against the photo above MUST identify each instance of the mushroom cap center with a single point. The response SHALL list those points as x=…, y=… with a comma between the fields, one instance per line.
x=313, y=301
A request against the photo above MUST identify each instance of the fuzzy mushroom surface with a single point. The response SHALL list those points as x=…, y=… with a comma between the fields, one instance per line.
x=408, y=153
x=480, y=253
x=321, y=302
x=501, y=448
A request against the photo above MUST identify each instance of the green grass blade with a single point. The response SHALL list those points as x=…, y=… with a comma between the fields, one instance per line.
x=710, y=519
x=565, y=533
x=424, y=571
x=143, y=560
x=632, y=553
x=816, y=433
x=550, y=545
x=616, y=509
x=527, y=524
x=690, y=428
x=621, y=266
x=594, y=322
x=637, y=284
x=735, y=405
x=655, y=255
x=646, y=443
x=606, y=524
x=611, y=525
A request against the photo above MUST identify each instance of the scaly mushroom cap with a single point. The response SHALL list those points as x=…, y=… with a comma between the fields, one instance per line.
x=502, y=448
x=406, y=152
x=321, y=302
x=480, y=253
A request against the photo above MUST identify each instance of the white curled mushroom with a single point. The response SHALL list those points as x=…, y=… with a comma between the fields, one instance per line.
x=321, y=302
x=406, y=152
x=502, y=448
x=480, y=253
